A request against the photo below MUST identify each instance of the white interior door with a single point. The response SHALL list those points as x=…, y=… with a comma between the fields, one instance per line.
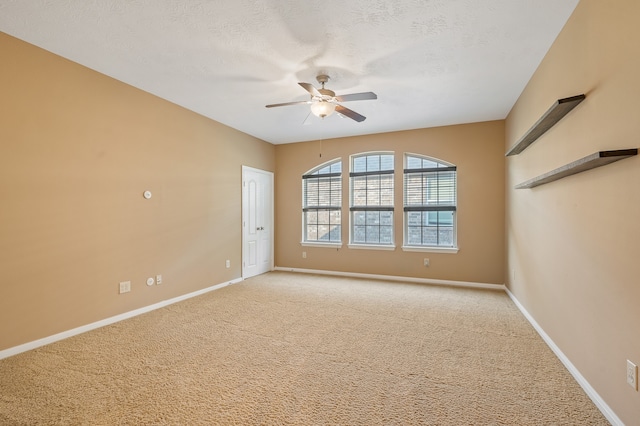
x=257, y=221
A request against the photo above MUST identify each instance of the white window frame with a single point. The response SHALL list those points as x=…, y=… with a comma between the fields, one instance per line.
x=352, y=208
x=407, y=207
x=306, y=208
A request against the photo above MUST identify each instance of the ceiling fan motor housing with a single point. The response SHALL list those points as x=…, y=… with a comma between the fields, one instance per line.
x=327, y=94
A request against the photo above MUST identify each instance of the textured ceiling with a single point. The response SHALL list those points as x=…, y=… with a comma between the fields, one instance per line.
x=431, y=62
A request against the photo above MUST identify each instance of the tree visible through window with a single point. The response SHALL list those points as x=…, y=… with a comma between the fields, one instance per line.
x=429, y=202
x=322, y=203
x=372, y=199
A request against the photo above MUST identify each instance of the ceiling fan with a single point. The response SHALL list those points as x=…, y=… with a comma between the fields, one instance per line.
x=324, y=101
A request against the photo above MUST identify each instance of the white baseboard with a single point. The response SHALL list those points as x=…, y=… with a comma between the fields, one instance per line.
x=589, y=390
x=82, y=329
x=394, y=278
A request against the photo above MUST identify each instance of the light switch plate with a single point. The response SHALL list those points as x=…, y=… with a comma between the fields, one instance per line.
x=632, y=375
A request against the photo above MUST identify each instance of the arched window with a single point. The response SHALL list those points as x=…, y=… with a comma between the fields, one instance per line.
x=429, y=202
x=322, y=203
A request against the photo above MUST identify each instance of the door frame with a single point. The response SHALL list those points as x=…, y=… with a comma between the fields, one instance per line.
x=270, y=175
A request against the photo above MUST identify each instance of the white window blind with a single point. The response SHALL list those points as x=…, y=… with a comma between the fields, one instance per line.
x=430, y=204
x=322, y=203
x=372, y=192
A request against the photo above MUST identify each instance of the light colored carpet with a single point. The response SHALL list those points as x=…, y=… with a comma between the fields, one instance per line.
x=286, y=348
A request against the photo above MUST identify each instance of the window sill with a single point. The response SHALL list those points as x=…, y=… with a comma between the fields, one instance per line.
x=431, y=249
x=371, y=247
x=320, y=244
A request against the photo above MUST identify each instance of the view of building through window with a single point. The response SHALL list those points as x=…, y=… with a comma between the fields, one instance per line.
x=372, y=199
x=429, y=201
x=322, y=203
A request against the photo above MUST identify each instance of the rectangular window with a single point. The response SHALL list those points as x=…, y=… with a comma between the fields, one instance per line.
x=372, y=199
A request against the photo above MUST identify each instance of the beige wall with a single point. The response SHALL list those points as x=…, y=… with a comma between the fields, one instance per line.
x=477, y=151
x=574, y=244
x=78, y=149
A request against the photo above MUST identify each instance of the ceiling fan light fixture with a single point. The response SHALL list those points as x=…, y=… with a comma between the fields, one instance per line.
x=323, y=109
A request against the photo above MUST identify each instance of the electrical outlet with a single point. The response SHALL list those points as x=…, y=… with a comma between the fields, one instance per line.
x=426, y=261
x=632, y=375
x=304, y=254
x=125, y=287
x=227, y=264
x=158, y=279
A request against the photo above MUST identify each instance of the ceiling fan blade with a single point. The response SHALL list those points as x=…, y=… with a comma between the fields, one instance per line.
x=312, y=90
x=350, y=113
x=288, y=103
x=364, y=96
